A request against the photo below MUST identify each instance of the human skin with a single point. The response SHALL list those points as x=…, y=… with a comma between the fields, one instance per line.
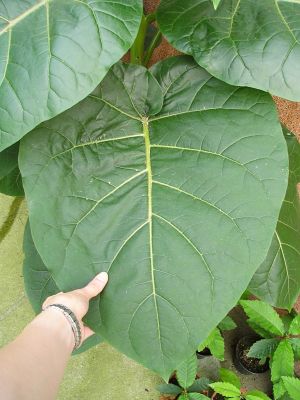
x=32, y=366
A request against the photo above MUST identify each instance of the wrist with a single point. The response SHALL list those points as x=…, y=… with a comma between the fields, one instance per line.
x=56, y=326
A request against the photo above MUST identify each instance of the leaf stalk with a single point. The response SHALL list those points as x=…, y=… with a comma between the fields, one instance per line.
x=137, y=51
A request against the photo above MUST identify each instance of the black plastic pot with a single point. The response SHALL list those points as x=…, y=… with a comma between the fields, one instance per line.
x=174, y=380
x=248, y=365
x=203, y=354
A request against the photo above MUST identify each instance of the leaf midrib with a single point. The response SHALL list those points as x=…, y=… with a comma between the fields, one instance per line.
x=145, y=123
x=22, y=16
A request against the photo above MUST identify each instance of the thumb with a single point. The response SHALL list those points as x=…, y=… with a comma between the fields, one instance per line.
x=95, y=286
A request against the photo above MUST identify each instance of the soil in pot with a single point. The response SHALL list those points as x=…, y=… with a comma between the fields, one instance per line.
x=219, y=397
x=248, y=365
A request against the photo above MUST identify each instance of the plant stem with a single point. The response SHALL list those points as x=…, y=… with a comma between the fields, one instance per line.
x=152, y=47
x=138, y=48
x=150, y=18
x=12, y=215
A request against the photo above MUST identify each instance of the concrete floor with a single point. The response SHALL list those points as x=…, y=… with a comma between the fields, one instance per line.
x=101, y=373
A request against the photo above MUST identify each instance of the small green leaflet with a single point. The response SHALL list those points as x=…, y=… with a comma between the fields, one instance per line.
x=283, y=362
x=169, y=388
x=53, y=53
x=277, y=279
x=226, y=389
x=244, y=43
x=186, y=372
x=295, y=343
x=256, y=395
x=183, y=396
x=197, y=396
x=229, y=376
x=227, y=324
x=263, y=315
x=292, y=386
x=295, y=326
x=263, y=348
x=278, y=390
x=199, y=385
x=215, y=343
x=163, y=184
x=259, y=330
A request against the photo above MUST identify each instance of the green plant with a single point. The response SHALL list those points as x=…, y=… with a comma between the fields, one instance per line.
x=169, y=178
x=277, y=279
x=188, y=387
x=230, y=387
x=215, y=341
x=280, y=343
x=242, y=43
x=54, y=53
x=292, y=386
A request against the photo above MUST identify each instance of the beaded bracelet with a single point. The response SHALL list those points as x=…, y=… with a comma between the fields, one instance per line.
x=71, y=317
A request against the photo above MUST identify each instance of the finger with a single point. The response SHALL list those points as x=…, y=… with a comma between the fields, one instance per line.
x=95, y=286
x=87, y=332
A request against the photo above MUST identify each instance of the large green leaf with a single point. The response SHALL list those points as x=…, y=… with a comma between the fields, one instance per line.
x=243, y=42
x=39, y=284
x=170, y=180
x=53, y=53
x=38, y=281
x=10, y=176
x=216, y=3
x=277, y=280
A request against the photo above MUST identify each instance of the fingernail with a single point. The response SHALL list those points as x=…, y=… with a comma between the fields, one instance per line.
x=103, y=277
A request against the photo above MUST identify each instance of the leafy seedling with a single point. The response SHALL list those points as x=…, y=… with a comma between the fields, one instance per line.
x=230, y=387
x=189, y=386
x=215, y=341
x=280, y=340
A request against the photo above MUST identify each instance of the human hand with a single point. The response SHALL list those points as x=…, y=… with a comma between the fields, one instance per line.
x=78, y=300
